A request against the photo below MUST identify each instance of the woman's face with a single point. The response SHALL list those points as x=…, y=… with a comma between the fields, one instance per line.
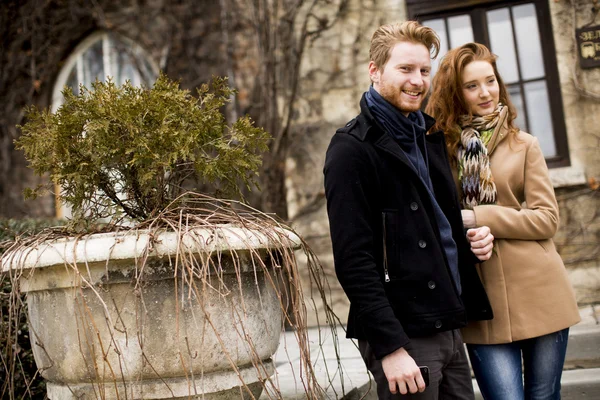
x=480, y=88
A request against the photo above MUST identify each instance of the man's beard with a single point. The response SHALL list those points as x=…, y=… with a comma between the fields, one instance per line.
x=394, y=96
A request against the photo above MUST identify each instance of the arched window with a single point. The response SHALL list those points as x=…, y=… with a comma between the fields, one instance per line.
x=99, y=56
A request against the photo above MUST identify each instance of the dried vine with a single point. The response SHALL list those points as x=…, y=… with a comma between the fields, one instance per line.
x=200, y=277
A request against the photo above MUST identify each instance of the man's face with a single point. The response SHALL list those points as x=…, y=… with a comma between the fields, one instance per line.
x=404, y=80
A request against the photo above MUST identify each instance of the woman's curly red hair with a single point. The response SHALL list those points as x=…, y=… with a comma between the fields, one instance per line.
x=446, y=103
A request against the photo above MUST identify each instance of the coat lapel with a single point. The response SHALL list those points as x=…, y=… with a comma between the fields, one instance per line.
x=387, y=144
x=500, y=132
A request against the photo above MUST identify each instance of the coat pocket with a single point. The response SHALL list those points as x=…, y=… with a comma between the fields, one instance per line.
x=409, y=249
x=390, y=220
x=389, y=244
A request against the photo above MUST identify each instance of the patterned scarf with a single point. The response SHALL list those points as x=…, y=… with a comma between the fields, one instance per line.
x=477, y=182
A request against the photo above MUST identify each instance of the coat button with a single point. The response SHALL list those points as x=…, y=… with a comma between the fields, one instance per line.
x=438, y=324
x=414, y=206
x=422, y=244
x=431, y=284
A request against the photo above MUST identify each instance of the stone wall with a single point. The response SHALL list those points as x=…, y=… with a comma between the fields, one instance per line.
x=578, y=239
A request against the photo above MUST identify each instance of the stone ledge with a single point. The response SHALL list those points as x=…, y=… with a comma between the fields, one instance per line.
x=576, y=384
x=584, y=347
x=567, y=176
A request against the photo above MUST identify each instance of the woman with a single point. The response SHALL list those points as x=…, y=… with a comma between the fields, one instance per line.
x=503, y=183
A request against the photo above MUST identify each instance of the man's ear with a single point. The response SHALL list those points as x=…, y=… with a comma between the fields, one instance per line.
x=374, y=72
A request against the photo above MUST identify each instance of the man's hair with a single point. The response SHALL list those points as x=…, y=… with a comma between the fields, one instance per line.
x=387, y=36
x=447, y=103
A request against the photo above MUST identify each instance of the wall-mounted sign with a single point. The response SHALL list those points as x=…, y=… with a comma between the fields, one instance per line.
x=588, y=43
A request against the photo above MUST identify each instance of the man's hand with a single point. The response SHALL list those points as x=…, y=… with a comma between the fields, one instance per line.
x=482, y=242
x=402, y=372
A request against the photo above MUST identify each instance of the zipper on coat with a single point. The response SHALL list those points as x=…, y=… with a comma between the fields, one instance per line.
x=385, y=262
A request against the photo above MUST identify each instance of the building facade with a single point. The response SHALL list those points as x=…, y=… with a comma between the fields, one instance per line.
x=547, y=63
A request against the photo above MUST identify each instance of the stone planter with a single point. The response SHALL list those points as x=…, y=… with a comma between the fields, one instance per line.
x=104, y=327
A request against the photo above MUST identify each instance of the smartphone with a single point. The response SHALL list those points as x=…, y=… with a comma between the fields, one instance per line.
x=425, y=375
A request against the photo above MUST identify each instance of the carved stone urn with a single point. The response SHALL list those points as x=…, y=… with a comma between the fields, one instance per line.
x=154, y=315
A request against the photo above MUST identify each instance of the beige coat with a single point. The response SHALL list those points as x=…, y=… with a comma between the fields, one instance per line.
x=525, y=279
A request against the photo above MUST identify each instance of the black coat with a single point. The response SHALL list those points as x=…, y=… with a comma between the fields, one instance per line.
x=381, y=218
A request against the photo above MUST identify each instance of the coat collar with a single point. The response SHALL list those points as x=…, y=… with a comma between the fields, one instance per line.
x=366, y=128
x=368, y=125
x=500, y=132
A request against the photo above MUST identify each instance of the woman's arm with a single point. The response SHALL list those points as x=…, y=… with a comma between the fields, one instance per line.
x=539, y=220
x=468, y=218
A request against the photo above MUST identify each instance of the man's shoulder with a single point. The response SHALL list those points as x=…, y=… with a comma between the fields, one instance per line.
x=348, y=144
x=349, y=126
x=351, y=136
x=345, y=140
x=357, y=128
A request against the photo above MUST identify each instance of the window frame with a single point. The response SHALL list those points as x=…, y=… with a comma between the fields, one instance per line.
x=74, y=58
x=430, y=9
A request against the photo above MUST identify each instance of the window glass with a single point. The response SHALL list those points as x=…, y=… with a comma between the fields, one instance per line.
x=517, y=99
x=125, y=69
x=461, y=30
x=102, y=55
x=439, y=26
x=539, y=116
x=129, y=64
x=502, y=44
x=72, y=81
x=93, y=64
x=528, y=42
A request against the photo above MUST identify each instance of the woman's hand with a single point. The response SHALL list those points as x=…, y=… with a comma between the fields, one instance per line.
x=468, y=217
x=482, y=242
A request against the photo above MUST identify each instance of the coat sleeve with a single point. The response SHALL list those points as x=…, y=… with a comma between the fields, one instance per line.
x=539, y=220
x=349, y=188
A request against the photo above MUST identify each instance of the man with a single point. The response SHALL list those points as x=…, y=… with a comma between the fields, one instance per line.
x=400, y=250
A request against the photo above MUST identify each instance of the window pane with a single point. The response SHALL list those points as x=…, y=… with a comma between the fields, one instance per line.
x=539, y=116
x=502, y=44
x=93, y=64
x=517, y=99
x=128, y=63
x=461, y=31
x=439, y=26
x=72, y=81
x=528, y=42
x=125, y=69
x=144, y=68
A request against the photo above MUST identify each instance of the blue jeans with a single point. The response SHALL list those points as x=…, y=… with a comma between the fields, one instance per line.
x=499, y=372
